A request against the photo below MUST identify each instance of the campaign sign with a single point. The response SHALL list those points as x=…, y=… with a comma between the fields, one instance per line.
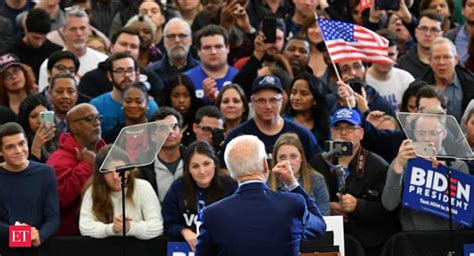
x=468, y=249
x=179, y=249
x=426, y=189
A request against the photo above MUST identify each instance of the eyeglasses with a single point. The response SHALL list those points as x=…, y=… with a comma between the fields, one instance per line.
x=61, y=67
x=348, y=129
x=90, y=118
x=262, y=102
x=14, y=72
x=432, y=30
x=124, y=72
x=173, y=36
x=432, y=133
x=209, y=130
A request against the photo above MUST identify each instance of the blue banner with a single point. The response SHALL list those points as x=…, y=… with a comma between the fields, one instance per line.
x=179, y=249
x=426, y=189
x=468, y=249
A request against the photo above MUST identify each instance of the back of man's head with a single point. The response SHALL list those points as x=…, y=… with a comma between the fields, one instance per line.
x=245, y=155
x=10, y=129
x=38, y=21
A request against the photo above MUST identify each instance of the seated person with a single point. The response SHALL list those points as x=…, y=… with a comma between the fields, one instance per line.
x=288, y=147
x=413, y=220
x=201, y=185
x=36, y=203
x=101, y=211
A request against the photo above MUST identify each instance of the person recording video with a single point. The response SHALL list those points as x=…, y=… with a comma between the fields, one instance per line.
x=364, y=175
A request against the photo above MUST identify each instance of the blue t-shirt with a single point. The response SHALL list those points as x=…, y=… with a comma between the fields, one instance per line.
x=310, y=145
x=112, y=112
x=198, y=75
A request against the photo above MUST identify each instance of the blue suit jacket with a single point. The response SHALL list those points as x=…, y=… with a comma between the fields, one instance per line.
x=258, y=221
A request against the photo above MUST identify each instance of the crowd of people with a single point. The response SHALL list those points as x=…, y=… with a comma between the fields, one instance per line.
x=206, y=67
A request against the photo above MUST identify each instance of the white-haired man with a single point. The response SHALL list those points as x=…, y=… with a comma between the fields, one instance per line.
x=449, y=78
x=259, y=208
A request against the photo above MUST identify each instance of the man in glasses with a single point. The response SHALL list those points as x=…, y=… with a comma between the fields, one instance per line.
x=359, y=200
x=96, y=82
x=416, y=59
x=122, y=70
x=178, y=59
x=76, y=32
x=267, y=124
x=73, y=162
x=208, y=121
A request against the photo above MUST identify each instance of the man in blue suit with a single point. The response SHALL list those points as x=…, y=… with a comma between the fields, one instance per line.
x=256, y=220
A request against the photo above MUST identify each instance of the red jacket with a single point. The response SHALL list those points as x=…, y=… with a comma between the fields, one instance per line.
x=71, y=174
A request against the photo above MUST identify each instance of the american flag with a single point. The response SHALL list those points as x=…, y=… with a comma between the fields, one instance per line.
x=347, y=42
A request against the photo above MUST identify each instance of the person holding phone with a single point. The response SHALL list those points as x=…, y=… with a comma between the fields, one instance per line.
x=42, y=135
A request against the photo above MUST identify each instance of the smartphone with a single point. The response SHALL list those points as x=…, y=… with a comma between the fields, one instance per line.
x=356, y=86
x=387, y=5
x=47, y=117
x=424, y=148
x=269, y=29
x=217, y=138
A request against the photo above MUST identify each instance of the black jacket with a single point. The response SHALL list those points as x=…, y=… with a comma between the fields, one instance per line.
x=411, y=63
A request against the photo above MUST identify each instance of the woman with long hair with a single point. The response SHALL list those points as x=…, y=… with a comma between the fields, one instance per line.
x=42, y=137
x=312, y=32
x=233, y=103
x=288, y=147
x=101, y=209
x=200, y=186
x=182, y=97
x=308, y=106
x=17, y=81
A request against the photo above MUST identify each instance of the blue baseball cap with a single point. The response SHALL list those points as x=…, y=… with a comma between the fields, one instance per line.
x=345, y=114
x=267, y=82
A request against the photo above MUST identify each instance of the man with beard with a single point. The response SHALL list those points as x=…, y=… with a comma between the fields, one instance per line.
x=76, y=32
x=63, y=96
x=213, y=47
x=96, y=82
x=461, y=35
x=298, y=51
x=121, y=70
x=178, y=59
x=73, y=162
x=168, y=164
x=416, y=59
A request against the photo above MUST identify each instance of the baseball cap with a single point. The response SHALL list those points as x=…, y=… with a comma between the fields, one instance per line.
x=347, y=115
x=8, y=60
x=267, y=82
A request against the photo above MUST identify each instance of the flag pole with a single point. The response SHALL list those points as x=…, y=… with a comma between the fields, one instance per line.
x=332, y=62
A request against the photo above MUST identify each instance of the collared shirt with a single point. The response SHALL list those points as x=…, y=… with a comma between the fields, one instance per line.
x=454, y=95
x=462, y=42
x=249, y=181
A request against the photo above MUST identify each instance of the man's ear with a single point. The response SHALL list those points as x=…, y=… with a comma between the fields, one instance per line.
x=195, y=127
x=109, y=76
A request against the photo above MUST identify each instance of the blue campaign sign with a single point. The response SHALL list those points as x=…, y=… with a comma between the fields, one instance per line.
x=426, y=189
x=468, y=249
x=179, y=249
